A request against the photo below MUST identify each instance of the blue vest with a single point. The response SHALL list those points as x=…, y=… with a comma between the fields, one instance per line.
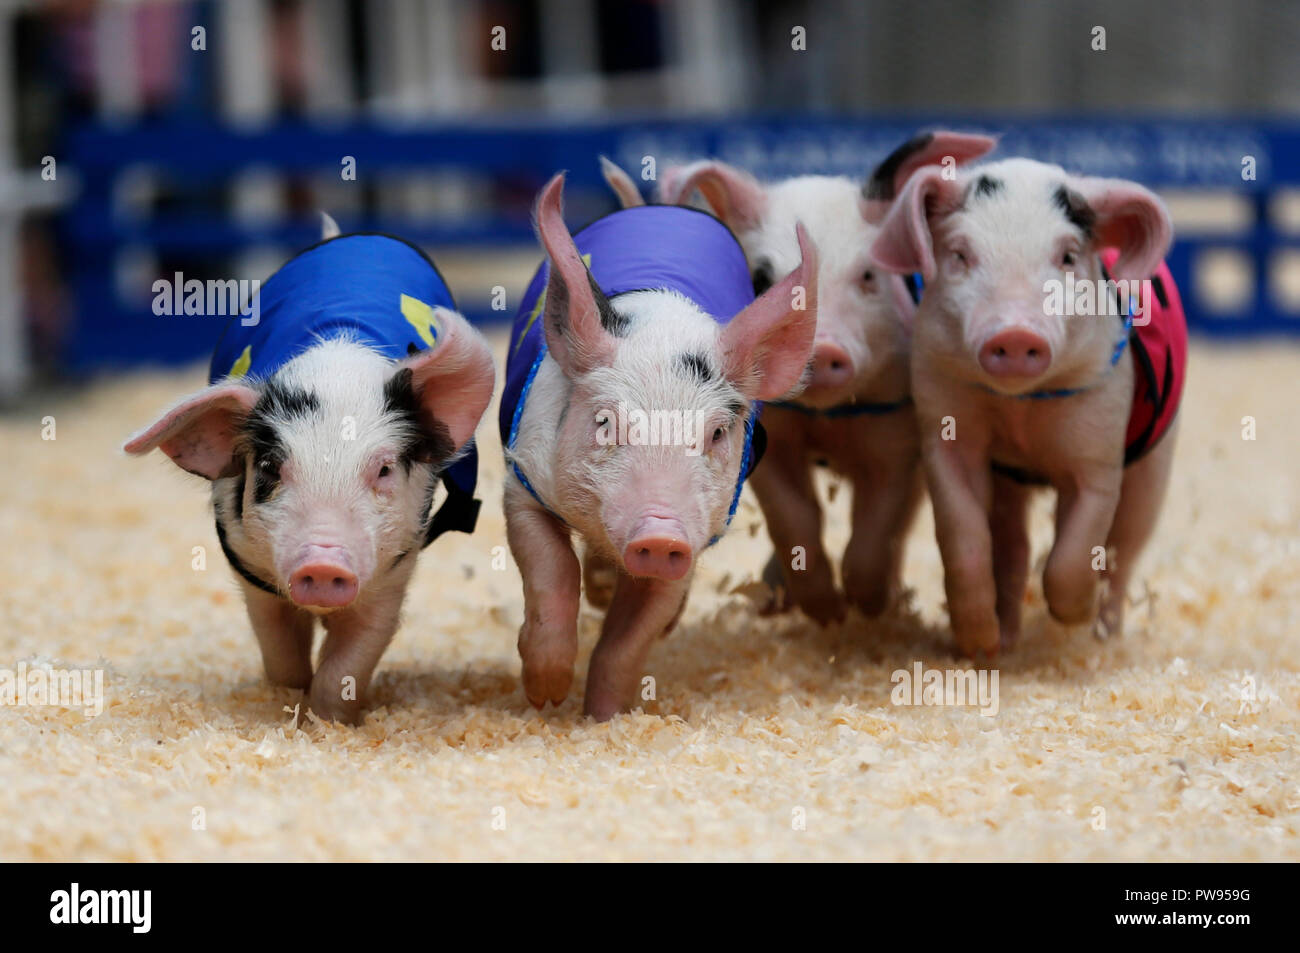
x=378, y=289
x=643, y=248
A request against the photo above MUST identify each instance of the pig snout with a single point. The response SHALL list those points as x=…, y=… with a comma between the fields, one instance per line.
x=658, y=549
x=323, y=578
x=1015, y=352
x=832, y=367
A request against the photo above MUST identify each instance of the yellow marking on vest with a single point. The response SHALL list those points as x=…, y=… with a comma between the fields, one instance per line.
x=537, y=308
x=421, y=317
x=242, y=363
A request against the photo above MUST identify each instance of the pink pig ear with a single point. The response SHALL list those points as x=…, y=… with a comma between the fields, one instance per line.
x=199, y=433
x=452, y=380
x=736, y=197
x=905, y=244
x=767, y=346
x=575, y=336
x=930, y=148
x=1130, y=218
x=629, y=196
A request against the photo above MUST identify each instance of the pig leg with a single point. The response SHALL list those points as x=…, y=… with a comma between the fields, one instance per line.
x=960, y=484
x=1009, y=525
x=883, y=506
x=642, y=610
x=548, y=639
x=599, y=576
x=284, y=633
x=1085, y=510
x=1141, y=497
x=784, y=487
x=355, y=639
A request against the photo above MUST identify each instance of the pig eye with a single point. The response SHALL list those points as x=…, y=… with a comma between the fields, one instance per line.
x=719, y=433
x=868, y=277
x=762, y=279
x=1067, y=260
x=960, y=256
x=384, y=471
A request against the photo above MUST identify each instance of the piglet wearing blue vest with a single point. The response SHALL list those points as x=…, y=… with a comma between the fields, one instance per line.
x=663, y=326
x=329, y=418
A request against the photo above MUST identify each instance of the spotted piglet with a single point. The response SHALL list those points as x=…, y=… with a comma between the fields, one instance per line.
x=334, y=408
x=855, y=415
x=1031, y=367
x=629, y=420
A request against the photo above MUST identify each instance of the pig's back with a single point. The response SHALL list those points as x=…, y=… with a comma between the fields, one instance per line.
x=376, y=288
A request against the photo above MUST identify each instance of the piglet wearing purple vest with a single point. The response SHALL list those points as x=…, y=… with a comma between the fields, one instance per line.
x=585, y=457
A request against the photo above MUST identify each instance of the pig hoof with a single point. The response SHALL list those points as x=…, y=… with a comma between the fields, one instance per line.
x=601, y=708
x=544, y=684
x=827, y=610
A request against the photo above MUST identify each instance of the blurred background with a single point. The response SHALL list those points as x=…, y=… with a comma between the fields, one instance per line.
x=142, y=139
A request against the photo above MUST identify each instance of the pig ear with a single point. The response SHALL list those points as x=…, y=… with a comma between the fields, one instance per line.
x=736, y=197
x=629, y=196
x=766, y=347
x=1130, y=218
x=575, y=336
x=199, y=433
x=930, y=148
x=452, y=380
x=905, y=244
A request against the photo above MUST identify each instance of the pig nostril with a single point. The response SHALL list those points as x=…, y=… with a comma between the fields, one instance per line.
x=1000, y=351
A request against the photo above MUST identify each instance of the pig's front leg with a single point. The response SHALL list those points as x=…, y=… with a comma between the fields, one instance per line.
x=1085, y=510
x=784, y=487
x=960, y=484
x=642, y=610
x=284, y=634
x=548, y=639
x=355, y=639
x=884, y=503
x=1010, y=554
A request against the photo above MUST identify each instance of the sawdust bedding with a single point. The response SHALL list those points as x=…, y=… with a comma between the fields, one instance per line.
x=768, y=739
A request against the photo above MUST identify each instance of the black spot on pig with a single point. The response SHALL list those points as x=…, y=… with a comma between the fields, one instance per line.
x=423, y=438
x=696, y=366
x=986, y=185
x=880, y=186
x=762, y=278
x=278, y=404
x=1076, y=209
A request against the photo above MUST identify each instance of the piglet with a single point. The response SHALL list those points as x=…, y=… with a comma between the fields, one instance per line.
x=334, y=408
x=647, y=314
x=1016, y=387
x=855, y=415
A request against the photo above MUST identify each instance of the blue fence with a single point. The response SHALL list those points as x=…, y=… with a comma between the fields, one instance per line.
x=1256, y=160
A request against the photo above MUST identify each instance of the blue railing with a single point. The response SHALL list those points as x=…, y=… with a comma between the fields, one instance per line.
x=518, y=157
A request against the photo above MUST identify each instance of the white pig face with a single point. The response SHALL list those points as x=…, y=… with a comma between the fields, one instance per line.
x=335, y=469
x=323, y=473
x=863, y=313
x=658, y=431
x=993, y=241
x=652, y=501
